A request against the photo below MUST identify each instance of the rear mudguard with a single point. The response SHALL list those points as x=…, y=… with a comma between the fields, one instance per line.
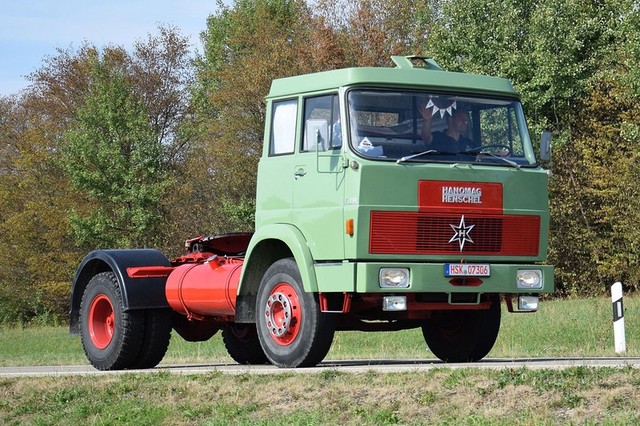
x=138, y=293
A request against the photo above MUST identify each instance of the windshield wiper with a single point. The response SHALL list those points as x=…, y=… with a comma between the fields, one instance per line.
x=409, y=157
x=473, y=151
x=489, y=154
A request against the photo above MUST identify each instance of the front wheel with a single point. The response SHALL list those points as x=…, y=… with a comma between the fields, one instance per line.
x=292, y=329
x=463, y=335
x=111, y=337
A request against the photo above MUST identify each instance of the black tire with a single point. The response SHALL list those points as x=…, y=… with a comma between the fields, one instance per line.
x=111, y=338
x=463, y=335
x=157, y=334
x=243, y=345
x=292, y=330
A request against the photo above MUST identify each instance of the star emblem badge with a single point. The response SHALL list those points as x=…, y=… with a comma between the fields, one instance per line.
x=461, y=233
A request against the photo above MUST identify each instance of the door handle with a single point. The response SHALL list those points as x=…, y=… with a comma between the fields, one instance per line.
x=299, y=173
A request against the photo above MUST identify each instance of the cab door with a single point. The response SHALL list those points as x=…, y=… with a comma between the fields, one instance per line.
x=318, y=197
x=274, y=194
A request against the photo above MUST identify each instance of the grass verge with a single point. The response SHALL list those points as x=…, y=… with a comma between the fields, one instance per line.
x=466, y=396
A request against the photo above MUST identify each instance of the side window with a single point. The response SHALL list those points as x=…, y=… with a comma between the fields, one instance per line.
x=336, y=126
x=283, y=127
x=322, y=127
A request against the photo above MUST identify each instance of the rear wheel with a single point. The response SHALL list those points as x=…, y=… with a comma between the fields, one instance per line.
x=243, y=345
x=463, y=335
x=111, y=337
x=292, y=330
x=157, y=334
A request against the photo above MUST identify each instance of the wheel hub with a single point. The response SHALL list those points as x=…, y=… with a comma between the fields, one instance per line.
x=282, y=314
x=101, y=321
x=278, y=314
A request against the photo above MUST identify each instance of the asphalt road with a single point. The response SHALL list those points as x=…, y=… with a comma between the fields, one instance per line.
x=350, y=366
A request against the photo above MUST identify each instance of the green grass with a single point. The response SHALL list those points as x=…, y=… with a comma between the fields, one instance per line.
x=440, y=396
x=562, y=328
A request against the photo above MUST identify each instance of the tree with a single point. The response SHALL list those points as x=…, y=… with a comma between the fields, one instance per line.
x=595, y=196
x=246, y=47
x=549, y=49
x=570, y=61
x=370, y=31
x=113, y=155
x=158, y=75
x=38, y=251
x=595, y=190
x=162, y=76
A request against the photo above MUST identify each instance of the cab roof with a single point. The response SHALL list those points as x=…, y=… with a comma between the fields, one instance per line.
x=410, y=72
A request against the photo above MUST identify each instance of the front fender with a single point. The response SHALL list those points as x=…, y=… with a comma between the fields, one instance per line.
x=271, y=243
x=138, y=293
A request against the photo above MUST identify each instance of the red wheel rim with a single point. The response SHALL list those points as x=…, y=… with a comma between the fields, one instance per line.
x=282, y=314
x=102, y=323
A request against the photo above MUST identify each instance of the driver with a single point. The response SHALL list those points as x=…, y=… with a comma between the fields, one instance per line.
x=451, y=140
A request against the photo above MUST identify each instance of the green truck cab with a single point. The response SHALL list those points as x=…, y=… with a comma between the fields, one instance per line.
x=388, y=228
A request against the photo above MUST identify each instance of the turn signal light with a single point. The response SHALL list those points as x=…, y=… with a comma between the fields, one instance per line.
x=349, y=227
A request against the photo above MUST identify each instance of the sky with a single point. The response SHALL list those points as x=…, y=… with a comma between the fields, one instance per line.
x=31, y=30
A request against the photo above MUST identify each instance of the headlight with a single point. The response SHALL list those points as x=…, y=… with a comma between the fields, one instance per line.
x=394, y=277
x=529, y=278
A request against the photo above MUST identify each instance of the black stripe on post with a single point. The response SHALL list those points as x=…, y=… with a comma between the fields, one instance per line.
x=618, y=310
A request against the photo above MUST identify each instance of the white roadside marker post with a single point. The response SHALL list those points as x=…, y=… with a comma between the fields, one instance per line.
x=618, y=318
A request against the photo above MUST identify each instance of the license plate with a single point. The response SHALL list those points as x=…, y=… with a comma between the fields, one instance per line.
x=467, y=270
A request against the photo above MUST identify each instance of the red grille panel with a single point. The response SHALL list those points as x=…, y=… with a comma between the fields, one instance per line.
x=429, y=233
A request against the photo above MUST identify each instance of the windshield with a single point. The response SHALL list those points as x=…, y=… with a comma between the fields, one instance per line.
x=411, y=126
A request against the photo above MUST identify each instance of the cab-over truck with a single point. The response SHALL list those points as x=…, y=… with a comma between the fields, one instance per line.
x=370, y=215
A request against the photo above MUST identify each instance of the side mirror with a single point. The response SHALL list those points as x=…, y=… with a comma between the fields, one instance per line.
x=545, y=146
x=315, y=136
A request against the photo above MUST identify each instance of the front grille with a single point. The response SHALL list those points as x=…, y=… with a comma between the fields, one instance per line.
x=429, y=233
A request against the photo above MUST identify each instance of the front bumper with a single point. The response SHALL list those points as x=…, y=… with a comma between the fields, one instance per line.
x=363, y=277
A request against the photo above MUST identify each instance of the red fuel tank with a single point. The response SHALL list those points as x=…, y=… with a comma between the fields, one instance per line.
x=205, y=289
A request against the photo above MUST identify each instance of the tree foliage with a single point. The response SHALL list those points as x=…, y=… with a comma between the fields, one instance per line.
x=370, y=31
x=549, y=49
x=113, y=155
x=35, y=243
x=246, y=46
x=87, y=96
x=574, y=64
x=146, y=148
